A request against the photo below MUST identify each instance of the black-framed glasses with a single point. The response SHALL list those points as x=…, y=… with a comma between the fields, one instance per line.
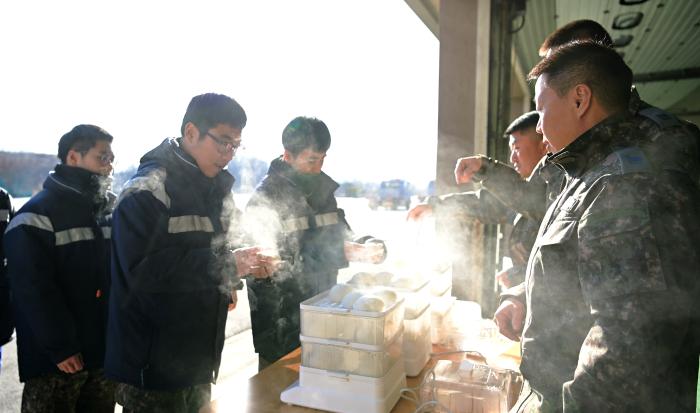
x=106, y=158
x=224, y=145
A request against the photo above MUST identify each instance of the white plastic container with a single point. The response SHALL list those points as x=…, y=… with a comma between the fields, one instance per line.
x=479, y=335
x=350, y=326
x=441, y=284
x=441, y=323
x=417, y=343
x=467, y=387
x=351, y=358
x=346, y=393
x=416, y=297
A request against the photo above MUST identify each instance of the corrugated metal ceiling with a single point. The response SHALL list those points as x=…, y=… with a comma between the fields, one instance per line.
x=667, y=38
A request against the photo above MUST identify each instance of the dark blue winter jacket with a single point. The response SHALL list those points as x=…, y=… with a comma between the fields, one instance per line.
x=172, y=273
x=309, y=231
x=6, y=323
x=57, y=250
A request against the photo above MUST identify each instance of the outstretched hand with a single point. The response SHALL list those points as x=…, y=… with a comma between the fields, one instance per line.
x=466, y=168
x=419, y=212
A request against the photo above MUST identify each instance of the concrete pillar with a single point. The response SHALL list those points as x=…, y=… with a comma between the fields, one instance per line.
x=462, y=130
x=463, y=85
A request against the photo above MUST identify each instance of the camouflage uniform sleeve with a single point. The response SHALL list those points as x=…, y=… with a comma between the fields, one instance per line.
x=638, y=319
x=481, y=205
x=527, y=197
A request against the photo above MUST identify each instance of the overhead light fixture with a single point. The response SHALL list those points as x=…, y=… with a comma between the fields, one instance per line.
x=627, y=20
x=631, y=2
x=623, y=40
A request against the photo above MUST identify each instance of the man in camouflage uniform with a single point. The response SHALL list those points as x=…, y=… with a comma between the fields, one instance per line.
x=527, y=148
x=612, y=275
x=670, y=144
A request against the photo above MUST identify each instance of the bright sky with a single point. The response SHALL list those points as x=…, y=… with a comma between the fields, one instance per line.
x=368, y=68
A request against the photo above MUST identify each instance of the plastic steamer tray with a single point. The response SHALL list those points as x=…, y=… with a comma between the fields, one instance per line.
x=372, y=339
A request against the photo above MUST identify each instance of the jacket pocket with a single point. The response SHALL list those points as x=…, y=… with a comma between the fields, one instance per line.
x=618, y=254
x=557, y=251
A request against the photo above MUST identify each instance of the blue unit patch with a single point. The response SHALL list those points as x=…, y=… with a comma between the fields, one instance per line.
x=631, y=160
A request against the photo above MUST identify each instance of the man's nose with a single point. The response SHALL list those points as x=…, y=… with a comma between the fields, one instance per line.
x=538, y=128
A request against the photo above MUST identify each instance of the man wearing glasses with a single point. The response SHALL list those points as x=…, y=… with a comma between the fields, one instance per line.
x=175, y=272
x=58, y=253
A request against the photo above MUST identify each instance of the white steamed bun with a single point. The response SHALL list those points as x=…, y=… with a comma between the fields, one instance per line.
x=369, y=303
x=339, y=291
x=350, y=299
x=363, y=279
x=389, y=297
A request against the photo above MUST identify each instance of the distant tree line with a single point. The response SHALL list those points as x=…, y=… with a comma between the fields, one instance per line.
x=23, y=174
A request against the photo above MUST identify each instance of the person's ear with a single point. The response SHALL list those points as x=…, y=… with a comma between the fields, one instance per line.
x=73, y=157
x=191, y=134
x=582, y=98
x=287, y=156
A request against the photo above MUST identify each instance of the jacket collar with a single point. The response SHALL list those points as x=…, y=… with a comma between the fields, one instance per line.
x=172, y=156
x=594, y=144
x=90, y=186
x=278, y=167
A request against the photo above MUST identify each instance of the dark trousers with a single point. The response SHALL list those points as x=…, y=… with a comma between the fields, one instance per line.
x=82, y=392
x=137, y=400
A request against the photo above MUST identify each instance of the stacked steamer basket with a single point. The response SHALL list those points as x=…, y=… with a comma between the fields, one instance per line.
x=351, y=340
x=442, y=304
x=414, y=289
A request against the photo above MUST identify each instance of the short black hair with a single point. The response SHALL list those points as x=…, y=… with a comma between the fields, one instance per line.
x=576, y=30
x=209, y=110
x=523, y=122
x=590, y=63
x=306, y=133
x=80, y=139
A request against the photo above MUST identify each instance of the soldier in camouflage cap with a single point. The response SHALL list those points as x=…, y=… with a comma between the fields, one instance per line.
x=611, y=278
x=527, y=148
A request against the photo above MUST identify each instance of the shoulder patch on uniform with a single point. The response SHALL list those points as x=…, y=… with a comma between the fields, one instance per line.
x=629, y=160
x=153, y=182
x=662, y=118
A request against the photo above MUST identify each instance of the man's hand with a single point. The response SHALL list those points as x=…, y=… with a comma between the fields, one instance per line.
x=419, y=212
x=254, y=261
x=466, y=168
x=234, y=300
x=510, y=318
x=503, y=279
x=247, y=260
x=371, y=252
x=72, y=364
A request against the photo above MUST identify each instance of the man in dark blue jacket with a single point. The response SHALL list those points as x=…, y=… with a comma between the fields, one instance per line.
x=294, y=213
x=174, y=273
x=57, y=250
x=6, y=323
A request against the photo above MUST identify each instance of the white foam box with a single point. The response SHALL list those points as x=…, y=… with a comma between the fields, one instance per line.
x=417, y=343
x=441, y=319
x=350, y=326
x=346, y=393
x=468, y=387
x=351, y=358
